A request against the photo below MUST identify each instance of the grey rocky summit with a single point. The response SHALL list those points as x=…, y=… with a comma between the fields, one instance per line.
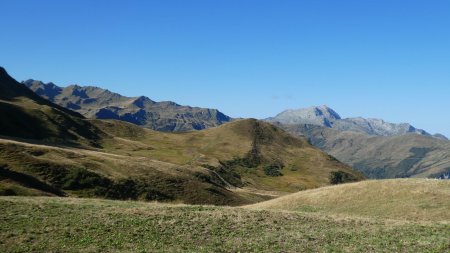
x=327, y=117
x=95, y=102
x=375, y=147
x=316, y=115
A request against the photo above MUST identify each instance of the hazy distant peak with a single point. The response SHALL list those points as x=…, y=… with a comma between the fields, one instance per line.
x=142, y=101
x=327, y=117
x=440, y=136
x=326, y=111
x=46, y=90
x=316, y=115
x=95, y=102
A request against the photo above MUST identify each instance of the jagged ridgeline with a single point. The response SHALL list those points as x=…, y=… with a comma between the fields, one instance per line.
x=98, y=103
x=377, y=148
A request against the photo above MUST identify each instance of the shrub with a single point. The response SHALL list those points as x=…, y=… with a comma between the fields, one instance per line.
x=340, y=177
x=273, y=170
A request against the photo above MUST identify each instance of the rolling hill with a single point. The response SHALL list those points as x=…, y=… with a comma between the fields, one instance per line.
x=244, y=161
x=98, y=103
x=407, y=215
x=396, y=199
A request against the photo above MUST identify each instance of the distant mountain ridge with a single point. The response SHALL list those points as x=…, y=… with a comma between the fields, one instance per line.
x=98, y=103
x=409, y=155
x=327, y=117
x=377, y=148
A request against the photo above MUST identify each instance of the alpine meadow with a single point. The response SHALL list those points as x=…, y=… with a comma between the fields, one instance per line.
x=225, y=126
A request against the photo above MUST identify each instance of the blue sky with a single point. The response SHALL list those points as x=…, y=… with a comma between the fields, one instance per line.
x=248, y=58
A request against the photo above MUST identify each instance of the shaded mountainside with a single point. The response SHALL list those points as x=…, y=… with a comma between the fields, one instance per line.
x=26, y=115
x=98, y=103
x=409, y=155
x=327, y=117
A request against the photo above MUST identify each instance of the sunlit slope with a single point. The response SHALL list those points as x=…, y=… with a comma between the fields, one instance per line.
x=408, y=199
x=224, y=165
x=32, y=169
x=243, y=147
x=38, y=224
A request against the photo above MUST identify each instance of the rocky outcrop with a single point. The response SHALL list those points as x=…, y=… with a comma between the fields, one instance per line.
x=327, y=117
x=95, y=102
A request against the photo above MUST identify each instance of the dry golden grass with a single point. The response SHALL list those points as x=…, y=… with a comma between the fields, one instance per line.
x=39, y=224
x=402, y=199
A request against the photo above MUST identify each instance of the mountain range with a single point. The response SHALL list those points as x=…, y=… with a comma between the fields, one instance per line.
x=98, y=103
x=377, y=148
x=327, y=117
x=49, y=150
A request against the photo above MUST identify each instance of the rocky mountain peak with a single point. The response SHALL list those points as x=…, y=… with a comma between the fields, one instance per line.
x=316, y=115
x=142, y=101
x=326, y=117
x=326, y=111
x=95, y=102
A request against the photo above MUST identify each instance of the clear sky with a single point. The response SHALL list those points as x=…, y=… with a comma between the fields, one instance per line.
x=248, y=58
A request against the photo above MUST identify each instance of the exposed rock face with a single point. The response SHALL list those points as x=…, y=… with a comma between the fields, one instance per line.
x=408, y=155
x=316, y=115
x=377, y=148
x=94, y=102
x=327, y=117
x=376, y=127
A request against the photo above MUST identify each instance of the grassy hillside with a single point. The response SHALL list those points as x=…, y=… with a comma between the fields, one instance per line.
x=29, y=169
x=400, y=199
x=224, y=165
x=25, y=115
x=40, y=224
x=239, y=151
x=46, y=149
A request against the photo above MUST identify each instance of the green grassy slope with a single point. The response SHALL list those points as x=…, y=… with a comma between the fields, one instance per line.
x=407, y=199
x=89, y=173
x=39, y=224
x=193, y=167
x=227, y=148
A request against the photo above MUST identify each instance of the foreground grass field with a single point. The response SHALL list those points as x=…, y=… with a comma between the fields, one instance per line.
x=399, y=199
x=50, y=224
